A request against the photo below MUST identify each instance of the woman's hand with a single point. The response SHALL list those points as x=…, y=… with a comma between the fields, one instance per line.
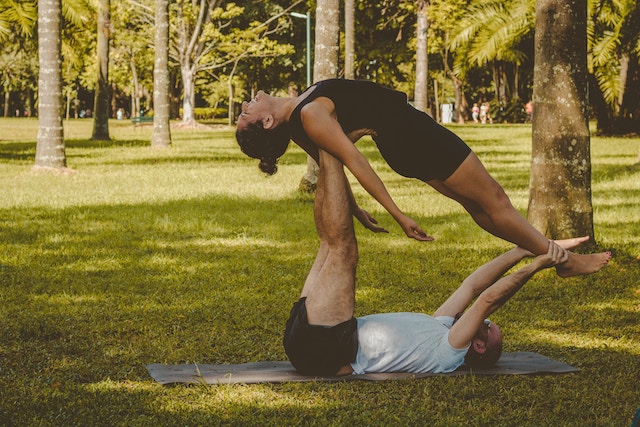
x=367, y=220
x=413, y=230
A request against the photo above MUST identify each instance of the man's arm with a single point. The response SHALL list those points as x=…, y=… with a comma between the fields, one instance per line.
x=496, y=295
x=479, y=280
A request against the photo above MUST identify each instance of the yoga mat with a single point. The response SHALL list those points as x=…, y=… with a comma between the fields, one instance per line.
x=518, y=363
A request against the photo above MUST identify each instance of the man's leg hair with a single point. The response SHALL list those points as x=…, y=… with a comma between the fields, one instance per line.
x=330, y=285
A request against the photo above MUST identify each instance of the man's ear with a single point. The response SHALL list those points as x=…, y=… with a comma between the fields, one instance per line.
x=479, y=346
x=267, y=122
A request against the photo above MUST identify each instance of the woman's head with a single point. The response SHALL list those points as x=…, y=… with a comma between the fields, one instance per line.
x=265, y=144
x=260, y=133
x=486, y=346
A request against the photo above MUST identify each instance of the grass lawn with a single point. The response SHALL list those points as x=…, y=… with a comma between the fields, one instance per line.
x=189, y=254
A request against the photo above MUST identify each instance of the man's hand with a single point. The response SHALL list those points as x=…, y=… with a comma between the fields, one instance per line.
x=367, y=220
x=567, y=244
x=413, y=230
x=554, y=256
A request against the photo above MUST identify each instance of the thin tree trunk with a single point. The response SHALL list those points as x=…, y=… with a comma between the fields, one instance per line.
x=422, y=65
x=349, y=39
x=161, y=136
x=101, y=104
x=50, y=151
x=560, y=198
x=6, y=102
x=189, y=96
x=325, y=65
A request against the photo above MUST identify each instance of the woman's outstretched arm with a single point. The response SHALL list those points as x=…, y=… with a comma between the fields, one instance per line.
x=325, y=131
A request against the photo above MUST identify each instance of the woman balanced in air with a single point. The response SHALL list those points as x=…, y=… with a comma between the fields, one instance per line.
x=334, y=114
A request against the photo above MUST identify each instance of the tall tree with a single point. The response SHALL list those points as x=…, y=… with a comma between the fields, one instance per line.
x=560, y=191
x=325, y=65
x=422, y=65
x=102, y=104
x=349, y=38
x=161, y=136
x=50, y=150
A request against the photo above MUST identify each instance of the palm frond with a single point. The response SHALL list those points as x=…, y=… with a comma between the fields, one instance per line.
x=20, y=16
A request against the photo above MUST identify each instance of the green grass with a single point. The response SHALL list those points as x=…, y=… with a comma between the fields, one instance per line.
x=189, y=254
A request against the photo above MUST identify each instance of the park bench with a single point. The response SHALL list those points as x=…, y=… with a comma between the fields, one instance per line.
x=139, y=121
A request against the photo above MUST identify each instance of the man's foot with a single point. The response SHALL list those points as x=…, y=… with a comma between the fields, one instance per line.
x=581, y=265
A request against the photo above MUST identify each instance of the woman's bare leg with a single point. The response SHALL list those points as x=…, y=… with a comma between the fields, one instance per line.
x=480, y=194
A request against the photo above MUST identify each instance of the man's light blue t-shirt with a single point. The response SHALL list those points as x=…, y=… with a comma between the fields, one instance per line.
x=405, y=342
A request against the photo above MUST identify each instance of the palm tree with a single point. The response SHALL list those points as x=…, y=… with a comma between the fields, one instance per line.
x=325, y=65
x=101, y=104
x=422, y=65
x=50, y=151
x=614, y=40
x=161, y=105
x=349, y=38
x=492, y=34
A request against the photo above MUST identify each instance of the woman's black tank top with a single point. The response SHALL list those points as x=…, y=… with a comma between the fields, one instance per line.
x=410, y=141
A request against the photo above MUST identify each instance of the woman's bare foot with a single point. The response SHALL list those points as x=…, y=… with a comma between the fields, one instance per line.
x=580, y=265
x=571, y=243
x=567, y=244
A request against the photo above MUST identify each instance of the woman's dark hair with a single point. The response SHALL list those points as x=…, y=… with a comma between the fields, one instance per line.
x=265, y=144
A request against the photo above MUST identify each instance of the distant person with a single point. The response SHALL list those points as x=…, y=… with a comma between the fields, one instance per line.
x=322, y=337
x=475, y=112
x=333, y=114
x=528, y=108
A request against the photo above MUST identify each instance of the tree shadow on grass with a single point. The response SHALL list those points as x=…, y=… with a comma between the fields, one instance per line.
x=93, y=294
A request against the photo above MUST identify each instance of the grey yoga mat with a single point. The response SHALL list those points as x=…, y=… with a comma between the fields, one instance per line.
x=518, y=363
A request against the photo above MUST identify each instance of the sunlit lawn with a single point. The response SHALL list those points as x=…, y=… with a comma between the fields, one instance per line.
x=190, y=254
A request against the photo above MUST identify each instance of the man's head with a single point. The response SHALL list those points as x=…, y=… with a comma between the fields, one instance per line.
x=486, y=346
x=258, y=133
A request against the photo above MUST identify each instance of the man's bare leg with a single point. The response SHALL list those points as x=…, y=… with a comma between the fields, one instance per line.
x=330, y=285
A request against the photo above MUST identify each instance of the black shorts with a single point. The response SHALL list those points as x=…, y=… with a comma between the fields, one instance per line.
x=416, y=146
x=319, y=350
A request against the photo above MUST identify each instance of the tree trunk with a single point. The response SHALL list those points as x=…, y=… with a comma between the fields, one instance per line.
x=560, y=198
x=189, y=95
x=101, y=104
x=135, y=93
x=161, y=136
x=6, y=102
x=349, y=39
x=325, y=65
x=327, y=40
x=50, y=151
x=422, y=65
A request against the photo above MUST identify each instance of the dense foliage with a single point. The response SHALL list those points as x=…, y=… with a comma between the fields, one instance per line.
x=478, y=50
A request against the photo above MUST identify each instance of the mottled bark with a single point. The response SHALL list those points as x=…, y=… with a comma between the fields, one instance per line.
x=349, y=39
x=422, y=65
x=161, y=136
x=325, y=65
x=50, y=150
x=560, y=198
x=101, y=104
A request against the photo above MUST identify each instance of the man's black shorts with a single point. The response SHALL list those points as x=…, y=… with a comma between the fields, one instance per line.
x=319, y=350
